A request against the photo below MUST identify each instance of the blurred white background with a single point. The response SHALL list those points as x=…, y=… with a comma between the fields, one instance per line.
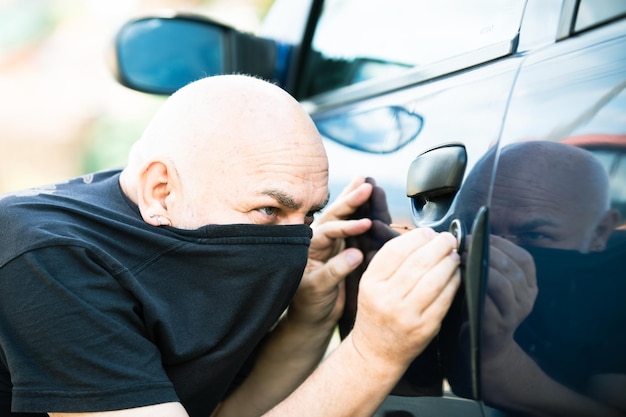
x=62, y=113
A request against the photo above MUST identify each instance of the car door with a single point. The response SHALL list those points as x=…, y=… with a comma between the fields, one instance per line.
x=538, y=330
x=571, y=334
x=549, y=209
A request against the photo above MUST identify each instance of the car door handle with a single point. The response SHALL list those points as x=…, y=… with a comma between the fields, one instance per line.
x=433, y=180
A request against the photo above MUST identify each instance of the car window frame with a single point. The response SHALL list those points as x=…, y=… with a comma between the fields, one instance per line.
x=380, y=85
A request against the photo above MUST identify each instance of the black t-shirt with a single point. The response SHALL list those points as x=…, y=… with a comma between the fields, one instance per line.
x=101, y=311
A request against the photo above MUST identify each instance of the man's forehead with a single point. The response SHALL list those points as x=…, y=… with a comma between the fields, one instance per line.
x=517, y=218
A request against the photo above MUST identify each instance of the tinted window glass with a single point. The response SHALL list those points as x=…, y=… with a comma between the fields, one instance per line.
x=356, y=40
x=594, y=12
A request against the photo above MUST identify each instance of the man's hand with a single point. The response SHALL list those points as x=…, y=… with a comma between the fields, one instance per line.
x=404, y=295
x=320, y=297
x=341, y=219
x=511, y=294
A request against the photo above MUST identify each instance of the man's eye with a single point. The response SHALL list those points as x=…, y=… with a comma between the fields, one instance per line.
x=270, y=211
x=533, y=236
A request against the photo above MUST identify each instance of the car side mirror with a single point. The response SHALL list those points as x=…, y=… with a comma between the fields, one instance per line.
x=161, y=54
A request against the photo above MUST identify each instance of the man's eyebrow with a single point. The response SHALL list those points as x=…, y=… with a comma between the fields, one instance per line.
x=283, y=199
x=533, y=224
x=286, y=200
x=320, y=207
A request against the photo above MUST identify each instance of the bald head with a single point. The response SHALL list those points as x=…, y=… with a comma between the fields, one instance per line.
x=545, y=194
x=565, y=171
x=221, y=136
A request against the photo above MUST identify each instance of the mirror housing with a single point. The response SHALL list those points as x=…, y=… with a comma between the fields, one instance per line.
x=433, y=180
x=160, y=54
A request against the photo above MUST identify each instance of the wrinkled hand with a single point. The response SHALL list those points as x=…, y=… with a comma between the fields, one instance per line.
x=320, y=296
x=404, y=295
x=511, y=293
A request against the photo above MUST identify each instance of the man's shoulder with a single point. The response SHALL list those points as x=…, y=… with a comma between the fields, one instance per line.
x=83, y=189
x=48, y=214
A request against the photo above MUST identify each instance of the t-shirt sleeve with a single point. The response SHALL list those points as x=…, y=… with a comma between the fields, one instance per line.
x=72, y=338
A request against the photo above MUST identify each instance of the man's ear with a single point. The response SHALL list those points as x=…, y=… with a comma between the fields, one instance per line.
x=154, y=186
x=603, y=230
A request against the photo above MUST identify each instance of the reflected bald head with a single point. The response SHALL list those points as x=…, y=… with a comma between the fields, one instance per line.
x=567, y=171
x=526, y=168
x=545, y=194
x=223, y=128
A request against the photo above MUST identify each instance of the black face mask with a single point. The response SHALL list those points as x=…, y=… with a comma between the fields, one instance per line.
x=576, y=327
x=576, y=285
x=236, y=281
x=242, y=269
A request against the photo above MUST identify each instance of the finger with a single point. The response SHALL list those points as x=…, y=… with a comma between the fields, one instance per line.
x=395, y=252
x=372, y=240
x=338, y=229
x=441, y=304
x=431, y=314
x=420, y=261
x=500, y=291
x=505, y=279
x=512, y=271
x=432, y=284
x=518, y=260
x=347, y=203
x=352, y=185
x=522, y=258
x=337, y=268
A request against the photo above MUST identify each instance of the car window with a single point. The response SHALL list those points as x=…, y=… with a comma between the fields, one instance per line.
x=357, y=40
x=594, y=12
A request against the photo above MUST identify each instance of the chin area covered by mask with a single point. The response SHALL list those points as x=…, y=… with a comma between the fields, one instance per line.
x=576, y=327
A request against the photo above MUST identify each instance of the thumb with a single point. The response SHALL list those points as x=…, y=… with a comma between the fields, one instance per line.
x=342, y=264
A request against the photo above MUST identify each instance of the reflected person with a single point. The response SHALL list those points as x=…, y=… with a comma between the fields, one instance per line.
x=550, y=200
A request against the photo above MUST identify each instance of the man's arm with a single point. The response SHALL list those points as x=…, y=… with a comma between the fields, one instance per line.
x=403, y=296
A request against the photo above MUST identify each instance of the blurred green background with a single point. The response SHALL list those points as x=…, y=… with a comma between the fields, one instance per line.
x=62, y=113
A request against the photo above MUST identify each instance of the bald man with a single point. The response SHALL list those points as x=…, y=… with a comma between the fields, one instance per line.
x=554, y=196
x=191, y=283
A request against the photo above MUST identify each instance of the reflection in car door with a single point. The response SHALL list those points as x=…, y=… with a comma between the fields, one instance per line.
x=553, y=339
